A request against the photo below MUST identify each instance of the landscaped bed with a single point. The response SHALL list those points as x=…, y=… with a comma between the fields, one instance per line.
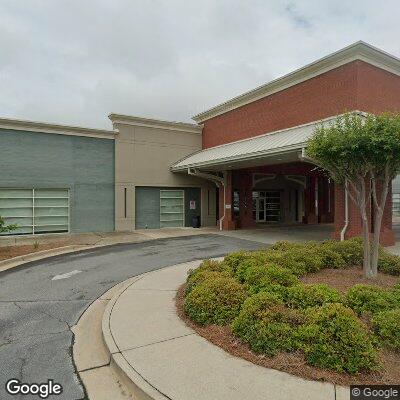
x=301, y=308
x=7, y=252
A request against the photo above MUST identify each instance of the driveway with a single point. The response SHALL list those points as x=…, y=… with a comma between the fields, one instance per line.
x=41, y=301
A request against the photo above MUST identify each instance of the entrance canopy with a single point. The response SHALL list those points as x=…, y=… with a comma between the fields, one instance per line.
x=278, y=147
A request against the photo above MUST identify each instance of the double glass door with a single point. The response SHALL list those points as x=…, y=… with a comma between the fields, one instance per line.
x=267, y=206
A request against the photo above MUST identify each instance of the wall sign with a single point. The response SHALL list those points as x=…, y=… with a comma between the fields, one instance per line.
x=192, y=204
x=228, y=206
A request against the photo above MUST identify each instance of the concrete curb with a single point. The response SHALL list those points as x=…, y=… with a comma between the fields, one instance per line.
x=142, y=385
x=137, y=385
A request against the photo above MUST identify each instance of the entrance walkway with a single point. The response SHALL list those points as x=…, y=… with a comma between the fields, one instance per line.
x=270, y=234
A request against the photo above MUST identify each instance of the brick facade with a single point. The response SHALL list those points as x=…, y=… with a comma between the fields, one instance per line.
x=353, y=86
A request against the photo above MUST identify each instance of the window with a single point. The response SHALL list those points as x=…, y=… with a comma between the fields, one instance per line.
x=35, y=210
x=172, y=208
x=236, y=204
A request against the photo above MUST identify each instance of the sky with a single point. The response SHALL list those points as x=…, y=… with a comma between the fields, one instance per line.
x=76, y=61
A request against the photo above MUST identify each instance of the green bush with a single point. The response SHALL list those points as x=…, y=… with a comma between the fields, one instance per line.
x=369, y=298
x=388, y=263
x=284, y=245
x=304, y=296
x=199, y=276
x=267, y=325
x=351, y=250
x=215, y=301
x=299, y=260
x=236, y=259
x=334, y=338
x=261, y=274
x=386, y=325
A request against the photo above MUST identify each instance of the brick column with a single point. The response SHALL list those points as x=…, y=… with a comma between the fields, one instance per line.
x=228, y=222
x=309, y=199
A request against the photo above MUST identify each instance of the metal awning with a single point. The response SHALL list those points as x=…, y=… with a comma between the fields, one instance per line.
x=271, y=148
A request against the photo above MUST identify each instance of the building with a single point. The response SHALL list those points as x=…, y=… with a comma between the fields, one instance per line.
x=240, y=165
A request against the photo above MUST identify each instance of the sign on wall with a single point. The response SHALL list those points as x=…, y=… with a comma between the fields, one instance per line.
x=192, y=204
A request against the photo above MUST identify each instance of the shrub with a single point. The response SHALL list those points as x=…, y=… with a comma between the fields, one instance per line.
x=386, y=325
x=304, y=296
x=262, y=274
x=351, y=250
x=389, y=263
x=284, y=245
x=234, y=260
x=217, y=300
x=334, y=338
x=369, y=298
x=199, y=276
x=267, y=325
x=299, y=259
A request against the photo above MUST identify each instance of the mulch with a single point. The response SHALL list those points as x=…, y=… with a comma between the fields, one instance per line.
x=7, y=252
x=344, y=279
x=295, y=363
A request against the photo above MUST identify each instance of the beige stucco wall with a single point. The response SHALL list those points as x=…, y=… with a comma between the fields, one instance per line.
x=144, y=152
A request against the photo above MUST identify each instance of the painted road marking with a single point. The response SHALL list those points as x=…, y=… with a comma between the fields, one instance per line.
x=67, y=275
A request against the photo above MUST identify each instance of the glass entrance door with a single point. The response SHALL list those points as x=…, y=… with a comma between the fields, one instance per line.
x=266, y=206
x=261, y=212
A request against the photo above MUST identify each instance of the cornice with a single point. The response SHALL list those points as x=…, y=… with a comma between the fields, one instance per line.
x=43, y=127
x=357, y=51
x=154, y=123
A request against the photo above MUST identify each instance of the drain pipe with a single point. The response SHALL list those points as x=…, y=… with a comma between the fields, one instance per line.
x=219, y=181
x=223, y=217
x=346, y=212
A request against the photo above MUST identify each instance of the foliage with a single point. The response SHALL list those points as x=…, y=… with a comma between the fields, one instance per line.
x=208, y=268
x=362, y=152
x=257, y=274
x=386, y=325
x=6, y=228
x=350, y=251
x=389, y=263
x=215, y=301
x=369, y=298
x=260, y=295
x=334, y=338
x=267, y=325
x=304, y=296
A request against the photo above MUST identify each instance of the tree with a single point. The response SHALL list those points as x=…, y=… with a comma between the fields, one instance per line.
x=361, y=152
x=6, y=228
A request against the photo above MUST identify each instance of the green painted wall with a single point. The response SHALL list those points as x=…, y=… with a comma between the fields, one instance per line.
x=147, y=207
x=85, y=165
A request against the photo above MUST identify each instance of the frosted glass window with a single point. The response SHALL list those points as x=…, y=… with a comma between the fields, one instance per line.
x=35, y=210
x=172, y=208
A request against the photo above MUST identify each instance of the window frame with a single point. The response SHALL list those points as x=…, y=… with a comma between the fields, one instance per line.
x=32, y=207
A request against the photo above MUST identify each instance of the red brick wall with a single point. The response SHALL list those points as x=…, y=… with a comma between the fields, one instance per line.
x=323, y=96
x=354, y=86
x=378, y=90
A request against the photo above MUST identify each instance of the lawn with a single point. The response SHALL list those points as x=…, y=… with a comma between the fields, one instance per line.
x=301, y=308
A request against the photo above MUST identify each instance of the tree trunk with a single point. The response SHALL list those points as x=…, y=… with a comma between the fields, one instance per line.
x=379, y=207
x=365, y=229
x=378, y=215
x=366, y=245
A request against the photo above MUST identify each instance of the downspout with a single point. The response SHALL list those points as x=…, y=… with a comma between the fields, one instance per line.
x=346, y=213
x=218, y=182
x=223, y=217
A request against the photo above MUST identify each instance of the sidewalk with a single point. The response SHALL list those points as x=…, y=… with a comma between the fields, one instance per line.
x=164, y=359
